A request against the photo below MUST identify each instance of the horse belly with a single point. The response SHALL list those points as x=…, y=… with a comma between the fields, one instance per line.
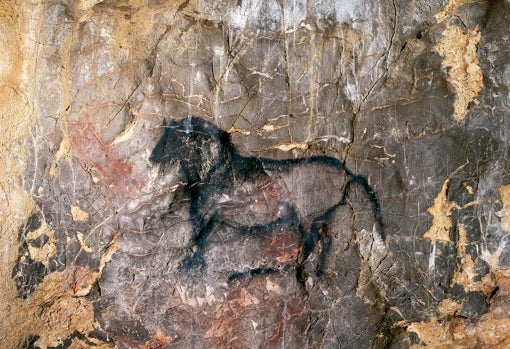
x=260, y=226
x=313, y=187
x=274, y=247
x=254, y=204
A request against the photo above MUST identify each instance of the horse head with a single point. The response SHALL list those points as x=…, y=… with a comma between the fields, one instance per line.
x=197, y=145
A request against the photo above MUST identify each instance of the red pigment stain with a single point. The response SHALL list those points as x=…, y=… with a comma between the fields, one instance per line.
x=274, y=191
x=160, y=341
x=284, y=246
x=89, y=146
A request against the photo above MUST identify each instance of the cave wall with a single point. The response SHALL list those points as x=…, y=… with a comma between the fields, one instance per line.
x=394, y=235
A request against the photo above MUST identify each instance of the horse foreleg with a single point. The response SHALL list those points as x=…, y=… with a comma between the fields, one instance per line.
x=196, y=261
x=309, y=242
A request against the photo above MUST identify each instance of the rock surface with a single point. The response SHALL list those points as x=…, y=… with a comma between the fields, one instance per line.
x=220, y=238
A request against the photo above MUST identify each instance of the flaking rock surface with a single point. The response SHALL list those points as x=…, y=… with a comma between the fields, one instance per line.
x=254, y=174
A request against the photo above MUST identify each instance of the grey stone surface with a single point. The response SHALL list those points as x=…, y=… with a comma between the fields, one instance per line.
x=411, y=96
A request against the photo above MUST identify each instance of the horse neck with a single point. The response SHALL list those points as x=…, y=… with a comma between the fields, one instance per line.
x=219, y=172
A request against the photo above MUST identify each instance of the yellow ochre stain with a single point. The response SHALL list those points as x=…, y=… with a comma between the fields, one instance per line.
x=459, y=52
x=78, y=214
x=504, y=213
x=440, y=210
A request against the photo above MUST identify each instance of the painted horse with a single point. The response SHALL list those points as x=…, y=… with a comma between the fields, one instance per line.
x=254, y=195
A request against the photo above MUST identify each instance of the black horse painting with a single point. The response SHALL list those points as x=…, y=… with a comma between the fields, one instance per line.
x=254, y=195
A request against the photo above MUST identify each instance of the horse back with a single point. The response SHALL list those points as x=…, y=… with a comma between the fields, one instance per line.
x=314, y=185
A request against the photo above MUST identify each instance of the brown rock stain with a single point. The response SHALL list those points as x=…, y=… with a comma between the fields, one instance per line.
x=449, y=306
x=18, y=21
x=43, y=253
x=78, y=280
x=55, y=307
x=228, y=314
x=464, y=273
x=78, y=214
x=237, y=320
x=504, y=214
x=160, y=341
x=490, y=331
x=449, y=8
x=58, y=303
x=440, y=211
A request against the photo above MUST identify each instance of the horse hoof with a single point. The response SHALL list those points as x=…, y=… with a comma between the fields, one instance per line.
x=253, y=272
x=192, y=264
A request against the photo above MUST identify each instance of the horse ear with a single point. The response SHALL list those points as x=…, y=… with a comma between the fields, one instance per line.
x=224, y=137
x=171, y=124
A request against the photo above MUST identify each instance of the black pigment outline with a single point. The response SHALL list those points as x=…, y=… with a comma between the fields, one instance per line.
x=176, y=140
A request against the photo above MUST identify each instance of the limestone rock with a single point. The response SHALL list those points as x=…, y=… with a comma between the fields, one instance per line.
x=343, y=181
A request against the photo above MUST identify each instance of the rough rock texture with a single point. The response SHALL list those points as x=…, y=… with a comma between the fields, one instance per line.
x=398, y=111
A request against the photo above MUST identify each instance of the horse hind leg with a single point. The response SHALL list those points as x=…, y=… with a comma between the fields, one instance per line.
x=318, y=231
x=322, y=227
x=193, y=263
x=369, y=192
x=252, y=272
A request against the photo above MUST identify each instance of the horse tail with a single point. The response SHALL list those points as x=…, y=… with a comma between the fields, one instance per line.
x=318, y=229
x=372, y=197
